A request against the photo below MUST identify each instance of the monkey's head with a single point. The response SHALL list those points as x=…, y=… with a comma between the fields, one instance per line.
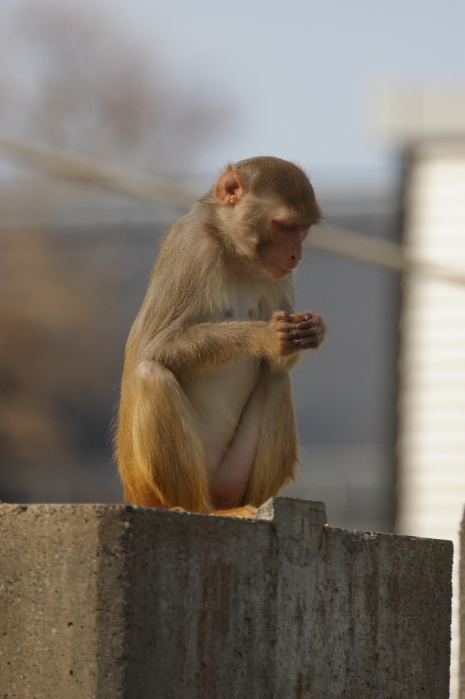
x=267, y=206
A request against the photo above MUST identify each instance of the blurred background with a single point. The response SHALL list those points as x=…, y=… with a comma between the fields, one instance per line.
x=369, y=99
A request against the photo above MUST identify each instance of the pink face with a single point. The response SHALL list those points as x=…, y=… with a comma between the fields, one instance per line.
x=284, y=255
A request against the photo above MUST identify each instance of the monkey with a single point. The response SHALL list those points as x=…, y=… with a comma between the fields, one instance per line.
x=206, y=421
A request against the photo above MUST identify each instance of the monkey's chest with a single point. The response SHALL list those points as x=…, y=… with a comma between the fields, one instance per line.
x=241, y=304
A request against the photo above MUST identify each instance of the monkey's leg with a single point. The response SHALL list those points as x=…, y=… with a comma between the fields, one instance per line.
x=276, y=458
x=164, y=465
x=228, y=482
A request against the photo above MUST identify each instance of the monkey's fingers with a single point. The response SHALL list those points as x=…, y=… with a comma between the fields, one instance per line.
x=283, y=317
x=309, y=333
x=311, y=342
x=288, y=340
x=300, y=317
x=282, y=326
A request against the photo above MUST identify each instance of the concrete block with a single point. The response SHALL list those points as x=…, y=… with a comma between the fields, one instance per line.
x=110, y=601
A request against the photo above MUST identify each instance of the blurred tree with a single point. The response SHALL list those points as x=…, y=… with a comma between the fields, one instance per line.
x=56, y=365
x=72, y=78
x=75, y=80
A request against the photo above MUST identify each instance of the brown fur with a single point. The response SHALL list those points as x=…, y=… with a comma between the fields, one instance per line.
x=231, y=252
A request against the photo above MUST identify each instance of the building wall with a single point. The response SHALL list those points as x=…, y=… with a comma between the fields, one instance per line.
x=431, y=442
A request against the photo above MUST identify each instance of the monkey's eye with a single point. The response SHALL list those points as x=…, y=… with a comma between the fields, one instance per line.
x=287, y=227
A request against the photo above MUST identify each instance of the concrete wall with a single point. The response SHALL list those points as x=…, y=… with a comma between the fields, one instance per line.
x=109, y=601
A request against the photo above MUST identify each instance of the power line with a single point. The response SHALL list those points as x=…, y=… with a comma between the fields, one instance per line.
x=329, y=238
x=381, y=253
x=97, y=173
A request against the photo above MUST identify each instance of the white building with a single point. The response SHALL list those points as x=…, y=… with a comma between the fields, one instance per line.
x=431, y=442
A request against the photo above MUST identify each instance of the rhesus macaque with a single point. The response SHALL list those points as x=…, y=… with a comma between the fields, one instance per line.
x=206, y=421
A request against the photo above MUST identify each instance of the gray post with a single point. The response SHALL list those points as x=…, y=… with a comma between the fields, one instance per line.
x=124, y=602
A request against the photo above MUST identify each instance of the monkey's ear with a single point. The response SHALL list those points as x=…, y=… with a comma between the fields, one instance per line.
x=230, y=187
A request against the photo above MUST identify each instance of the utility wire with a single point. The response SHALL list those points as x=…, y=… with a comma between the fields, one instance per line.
x=329, y=238
x=97, y=173
x=382, y=253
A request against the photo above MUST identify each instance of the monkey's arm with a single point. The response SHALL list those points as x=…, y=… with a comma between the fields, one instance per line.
x=197, y=348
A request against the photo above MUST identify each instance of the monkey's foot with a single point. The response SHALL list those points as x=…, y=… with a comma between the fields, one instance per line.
x=245, y=512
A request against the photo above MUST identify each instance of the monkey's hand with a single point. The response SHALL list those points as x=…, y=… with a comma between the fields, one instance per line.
x=281, y=342
x=309, y=330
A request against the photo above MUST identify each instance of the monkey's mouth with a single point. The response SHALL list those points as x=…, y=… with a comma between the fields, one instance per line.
x=276, y=271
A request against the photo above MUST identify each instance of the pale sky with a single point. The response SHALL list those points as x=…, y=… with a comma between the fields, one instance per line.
x=302, y=76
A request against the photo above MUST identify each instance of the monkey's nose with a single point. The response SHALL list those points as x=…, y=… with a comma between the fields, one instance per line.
x=294, y=261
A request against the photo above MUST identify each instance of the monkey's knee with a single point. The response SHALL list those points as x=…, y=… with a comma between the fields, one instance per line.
x=159, y=406
x=153, y=375
x=162, y=400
